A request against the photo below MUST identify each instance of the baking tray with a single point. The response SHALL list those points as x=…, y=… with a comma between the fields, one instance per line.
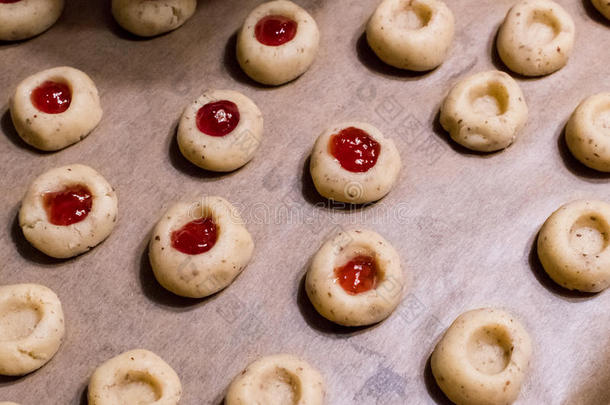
x=464, y=224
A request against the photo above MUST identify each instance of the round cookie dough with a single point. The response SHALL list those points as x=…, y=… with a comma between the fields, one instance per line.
x=536, y=38
x=221, y=153
x=276, y=65
x=28, y=18
x=588, y=132
x=31, y=327
x=148, y=18
x=483, y=358
x=411, y=34
x=277, y=380
x=573, y=246
x=335, y=182
x=484, y=112
x=50, y=132
x=8, y=403
x=135, y=377
x=603, y=6
x=64, y=241
x=200, y=275
x=333, y=302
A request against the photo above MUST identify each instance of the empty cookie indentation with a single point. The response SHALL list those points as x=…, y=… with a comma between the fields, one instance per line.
x=489, y=99
x=543, y=27
x=489, y=349
x=413, y=16
x=280, y=387
x=18, y=320
x=589, y=235
x=137, y=388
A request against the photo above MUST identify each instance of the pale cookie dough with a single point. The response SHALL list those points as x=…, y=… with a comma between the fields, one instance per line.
x=536, y=38
x=276, y=65
x=411, y=34
x=147, y=18
x=484, y=112
x=27, y=18
x=8, y=403
x=31, y=327
x=197, y=276
x=221, y=153
x=336, y=183
x=573, y=246
x=365, y=308
x=136, y=377
x=50, y=132
x=483, y=358
x=603, y=6
x=588, y=132
x=66, y=241
x=280, y=379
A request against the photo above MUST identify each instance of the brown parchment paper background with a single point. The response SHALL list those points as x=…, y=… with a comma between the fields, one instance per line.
x=465, y=224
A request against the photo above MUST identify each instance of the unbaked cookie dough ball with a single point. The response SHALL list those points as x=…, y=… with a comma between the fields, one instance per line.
x=8, y=403
x=55, y=108
x=277, y=380
x=411, y=34
x=573, y=246
x=536, y=38
x=220, y=131
x=588, y=132
x=135, y=377
x=277, y=43
x=484, y=112
x=603, y=6
x=147, y=18
x=483, y=358
x=355, y=279
x=68, y=210
x=21, y=19
x=354, y=163
x=199, y=248
x=31, y=327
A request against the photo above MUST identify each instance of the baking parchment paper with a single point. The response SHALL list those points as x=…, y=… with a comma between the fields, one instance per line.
x=464, y=224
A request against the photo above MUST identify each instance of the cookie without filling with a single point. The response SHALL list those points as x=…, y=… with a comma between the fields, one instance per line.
x=148, y=18
x=25, y=19
x=135, y=377
x=536, y=38
x=277, y=380
x=573, y=245
x=31, y=327
x=482, y=358
x=484, y=112
x=411, y=34
x=588, y=132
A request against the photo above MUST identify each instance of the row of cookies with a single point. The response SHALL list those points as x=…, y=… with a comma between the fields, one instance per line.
x=279, y=40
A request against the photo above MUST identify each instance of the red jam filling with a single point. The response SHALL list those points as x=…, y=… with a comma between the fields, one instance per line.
x=8, y=1
x=52, y=97
x=355, y=150
x=218, y=118
x=68, y=206
x=275, y=30
x=196, y=237
x=358, y=275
